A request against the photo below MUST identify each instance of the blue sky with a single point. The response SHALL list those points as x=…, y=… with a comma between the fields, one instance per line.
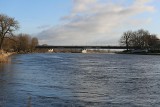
x=32, y=14
x=82, y=22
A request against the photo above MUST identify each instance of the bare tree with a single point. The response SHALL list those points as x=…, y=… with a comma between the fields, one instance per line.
x=25, y=43
x=144, y=39
x=34, y=43
x=140, y=38
x=143, y=36
x=7, y=26
x=126, y=39
x=8, y=44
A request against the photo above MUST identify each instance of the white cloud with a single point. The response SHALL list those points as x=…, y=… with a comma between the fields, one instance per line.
x=93, y=20
x=82, y=5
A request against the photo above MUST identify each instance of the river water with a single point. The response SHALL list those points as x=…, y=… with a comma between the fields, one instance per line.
x=80, y=80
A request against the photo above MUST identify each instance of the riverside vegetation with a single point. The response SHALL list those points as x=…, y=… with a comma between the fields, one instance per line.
x=3, y=58
x=13, y=43
x=142, y=39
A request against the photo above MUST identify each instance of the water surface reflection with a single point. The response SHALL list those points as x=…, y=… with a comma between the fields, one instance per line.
x=83, y=80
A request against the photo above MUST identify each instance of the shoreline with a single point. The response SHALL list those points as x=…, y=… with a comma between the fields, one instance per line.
x=4, y=57
x=138, y=53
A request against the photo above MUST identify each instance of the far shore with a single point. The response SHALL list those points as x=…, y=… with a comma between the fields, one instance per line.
x=140, y=53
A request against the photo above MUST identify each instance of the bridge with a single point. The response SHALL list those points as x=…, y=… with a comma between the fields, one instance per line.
x=83, y=47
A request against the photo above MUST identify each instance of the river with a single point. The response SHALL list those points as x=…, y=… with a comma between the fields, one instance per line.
x=80, y=80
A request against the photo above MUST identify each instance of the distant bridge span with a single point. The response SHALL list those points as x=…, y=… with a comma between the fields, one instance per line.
x=84, y=47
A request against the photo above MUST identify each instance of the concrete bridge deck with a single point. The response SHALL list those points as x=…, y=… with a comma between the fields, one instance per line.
x=83, y=47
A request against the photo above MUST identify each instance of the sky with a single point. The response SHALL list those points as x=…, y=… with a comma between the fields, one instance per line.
x=82, y=22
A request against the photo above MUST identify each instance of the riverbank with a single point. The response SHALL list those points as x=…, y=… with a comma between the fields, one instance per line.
x=4, y=57
x=140, y=53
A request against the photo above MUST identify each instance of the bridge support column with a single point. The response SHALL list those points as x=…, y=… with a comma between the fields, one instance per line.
x=50, y=50
x=84, y=50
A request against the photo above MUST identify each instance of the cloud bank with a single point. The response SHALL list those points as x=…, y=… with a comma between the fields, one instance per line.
x=97, y=22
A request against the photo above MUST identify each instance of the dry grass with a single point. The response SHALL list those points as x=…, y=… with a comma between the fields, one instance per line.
x=3, y=58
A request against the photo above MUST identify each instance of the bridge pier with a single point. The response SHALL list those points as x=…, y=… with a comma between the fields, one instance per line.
x=84, y=50
x=50, y=50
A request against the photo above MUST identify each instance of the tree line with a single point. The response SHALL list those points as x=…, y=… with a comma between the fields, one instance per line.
x=11, y=42
x=21, y=43
x=141, y=39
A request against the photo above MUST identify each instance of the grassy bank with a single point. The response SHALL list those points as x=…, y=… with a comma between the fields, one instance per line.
x=4, y=57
